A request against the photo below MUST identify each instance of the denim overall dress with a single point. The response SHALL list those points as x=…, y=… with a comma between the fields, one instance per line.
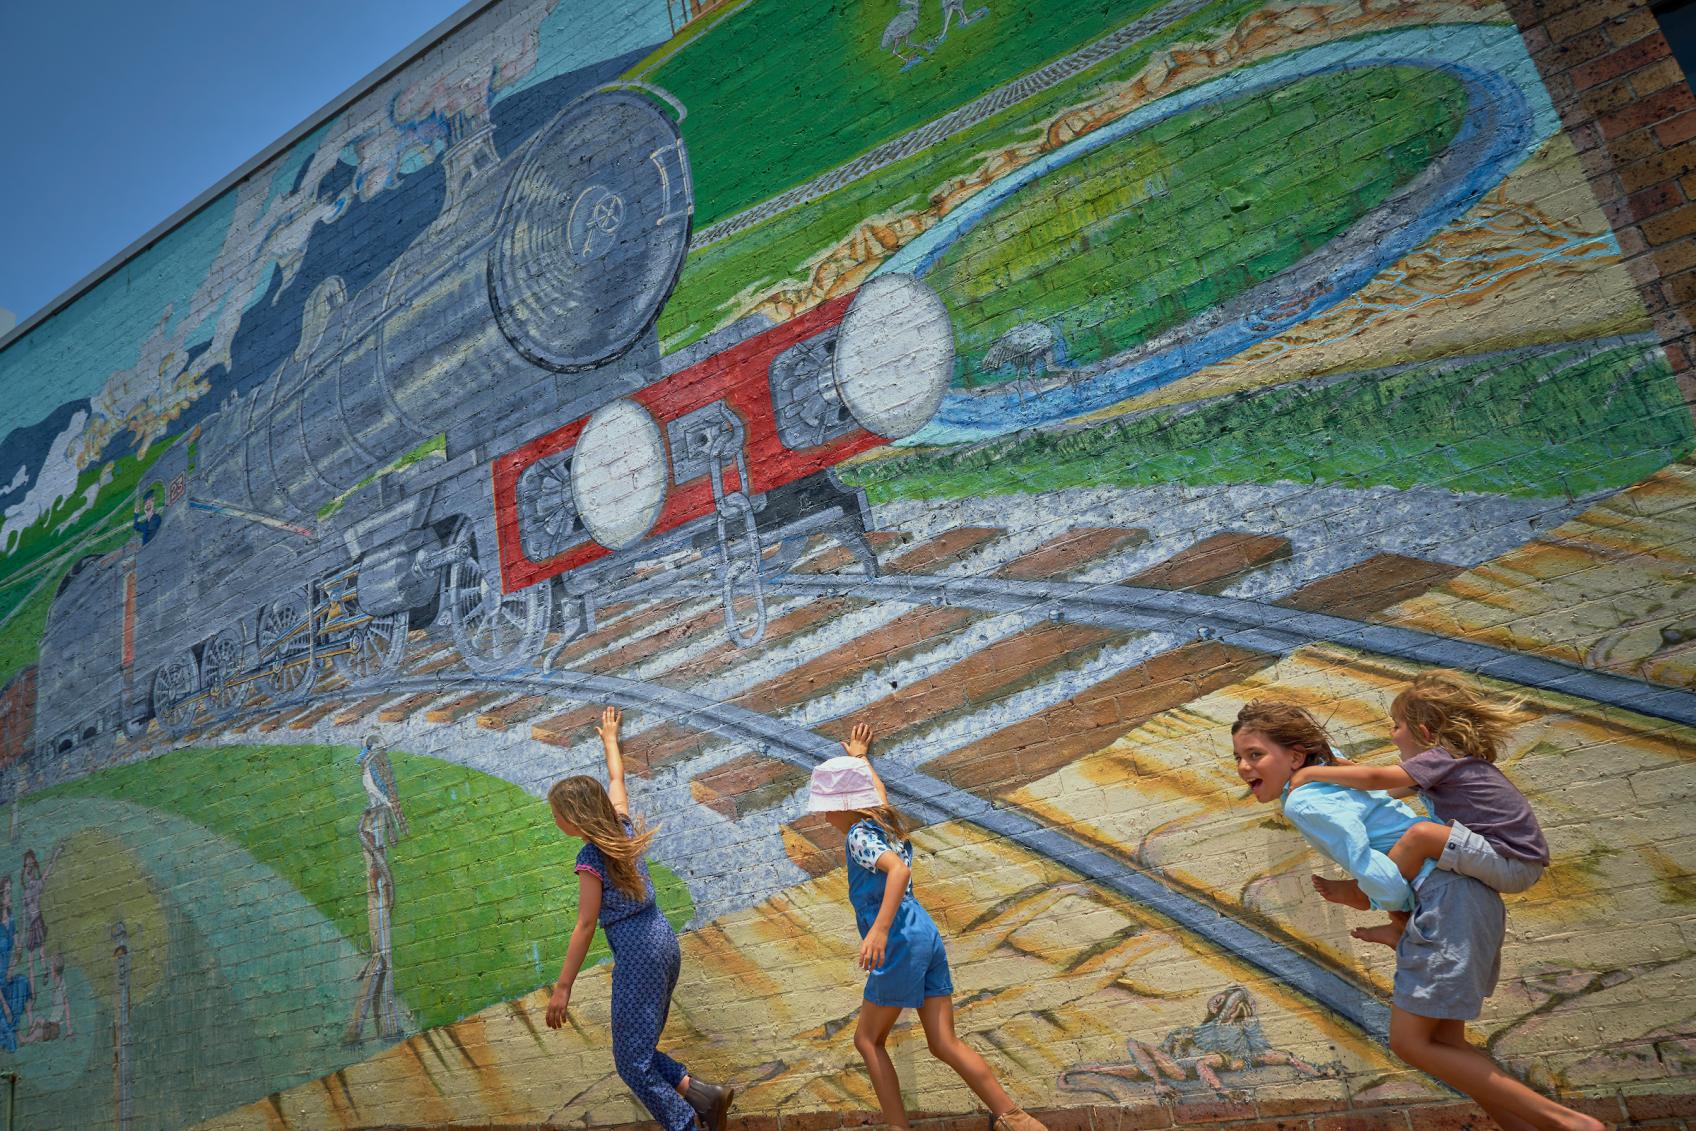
x=915, y=965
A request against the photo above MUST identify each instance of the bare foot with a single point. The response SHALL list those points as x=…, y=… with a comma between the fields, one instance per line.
x=1384, y=934
x=1345, y=892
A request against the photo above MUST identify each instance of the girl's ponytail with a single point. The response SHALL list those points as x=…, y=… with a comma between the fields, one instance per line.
x=892, y=821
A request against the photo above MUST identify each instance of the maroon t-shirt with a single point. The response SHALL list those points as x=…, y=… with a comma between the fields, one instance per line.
x=1479, y=796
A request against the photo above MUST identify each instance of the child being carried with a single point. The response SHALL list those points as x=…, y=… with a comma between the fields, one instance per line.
x=1449, y=735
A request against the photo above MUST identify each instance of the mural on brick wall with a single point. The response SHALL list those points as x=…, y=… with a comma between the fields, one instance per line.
x=1035, y=382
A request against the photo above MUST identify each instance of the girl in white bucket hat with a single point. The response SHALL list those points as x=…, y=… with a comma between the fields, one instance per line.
x=900, y=949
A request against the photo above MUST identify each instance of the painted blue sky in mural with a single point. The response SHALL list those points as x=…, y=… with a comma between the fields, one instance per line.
x=132, y=136
x=217, y=301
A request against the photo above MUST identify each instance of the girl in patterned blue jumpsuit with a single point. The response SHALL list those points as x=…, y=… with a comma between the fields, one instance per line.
x=900, y=950
x=615, y=890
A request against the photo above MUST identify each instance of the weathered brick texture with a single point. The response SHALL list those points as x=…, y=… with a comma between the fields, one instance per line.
x=1036, y=383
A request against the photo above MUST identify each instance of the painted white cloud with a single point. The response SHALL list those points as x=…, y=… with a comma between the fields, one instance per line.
x=56, y=479
x=431, y=105
x=90, y=493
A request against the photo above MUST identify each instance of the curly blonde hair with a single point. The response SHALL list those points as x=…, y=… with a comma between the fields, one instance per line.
x=583, y=801
x=1287, y=725
x=1443, y=708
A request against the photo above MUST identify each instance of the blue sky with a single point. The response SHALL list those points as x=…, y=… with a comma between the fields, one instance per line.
x=118, y=113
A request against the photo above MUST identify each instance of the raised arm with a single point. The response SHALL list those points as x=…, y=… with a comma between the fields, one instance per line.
x=1355, y=776
x=608, y=730
x=859, y=745
x=588, y=912
x=1339, y=835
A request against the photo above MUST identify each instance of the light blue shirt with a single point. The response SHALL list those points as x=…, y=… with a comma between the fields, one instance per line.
x=1354, y=828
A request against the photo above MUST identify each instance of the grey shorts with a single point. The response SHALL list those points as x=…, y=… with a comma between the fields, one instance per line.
x=1451, y=952
x=1472, y=855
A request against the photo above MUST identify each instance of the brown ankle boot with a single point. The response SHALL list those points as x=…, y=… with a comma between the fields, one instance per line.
x=1017, y=1120
x=711, y=1103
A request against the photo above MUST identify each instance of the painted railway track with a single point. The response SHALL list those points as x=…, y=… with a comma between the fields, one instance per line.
x=439, y=689
x=1257, y=626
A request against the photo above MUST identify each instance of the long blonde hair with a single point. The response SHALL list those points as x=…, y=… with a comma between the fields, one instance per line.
x=583, y=801
x=1456, y=715
x=891, y=820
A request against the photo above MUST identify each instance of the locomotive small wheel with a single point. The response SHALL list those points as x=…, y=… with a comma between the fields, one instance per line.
x=174, y=685
x=494, y=631
x=283, y=647
x=378, y=648
x=222, y=666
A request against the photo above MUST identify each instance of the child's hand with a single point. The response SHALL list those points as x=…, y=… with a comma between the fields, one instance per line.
x=859, y=741
x=559, y=1001
x=873, y=946
x=608, y=730
x=1301, y=777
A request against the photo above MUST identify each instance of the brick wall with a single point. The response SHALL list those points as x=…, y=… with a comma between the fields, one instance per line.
x=1626, y=103
x=1038, y=384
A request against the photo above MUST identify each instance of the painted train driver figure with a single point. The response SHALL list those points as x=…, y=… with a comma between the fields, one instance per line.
x=147, y=519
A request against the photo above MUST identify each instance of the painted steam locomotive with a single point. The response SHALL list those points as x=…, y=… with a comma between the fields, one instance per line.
x=530, y=301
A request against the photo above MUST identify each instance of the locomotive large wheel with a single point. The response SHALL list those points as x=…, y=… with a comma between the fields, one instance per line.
x=377, y=648
x=494, y=631
x=223, y=671
x=285, y=647
x=174, y=687
x=591, y=237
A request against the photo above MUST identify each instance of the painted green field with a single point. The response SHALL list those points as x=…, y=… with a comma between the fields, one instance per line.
x=56, y=529
x=1545, y=424
x=754, y=131
x=485, y=896
x=781, y=247
x=1144, y=234
x=24, y=605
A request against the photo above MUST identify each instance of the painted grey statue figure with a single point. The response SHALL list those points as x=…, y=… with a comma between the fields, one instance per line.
x=899, y=31
x=1031, y=349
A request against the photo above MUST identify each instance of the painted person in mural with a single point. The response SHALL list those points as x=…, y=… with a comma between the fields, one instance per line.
x=1450, y=953
x=901, y=950
x=35, y=926
x=381, y=824
x=14, y=988
x=614, y=889
x=1448, y=734
x=147, y=517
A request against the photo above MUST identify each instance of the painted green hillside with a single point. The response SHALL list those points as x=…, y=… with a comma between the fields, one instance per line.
x=485, y=895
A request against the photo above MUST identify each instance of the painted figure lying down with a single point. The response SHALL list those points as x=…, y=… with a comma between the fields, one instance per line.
x=1229, y=1039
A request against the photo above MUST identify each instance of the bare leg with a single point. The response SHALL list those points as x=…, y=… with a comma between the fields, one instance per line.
x=1204, y=1066
x=1453, y=1034
x=1440, y=1048
x=1275, y=1056
x=1345, y=892
x=869, y=1036
x=683, y=1086
x=1386, y=934
x=937, y=1016
x=1422, y=842
x=1156, y=1065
